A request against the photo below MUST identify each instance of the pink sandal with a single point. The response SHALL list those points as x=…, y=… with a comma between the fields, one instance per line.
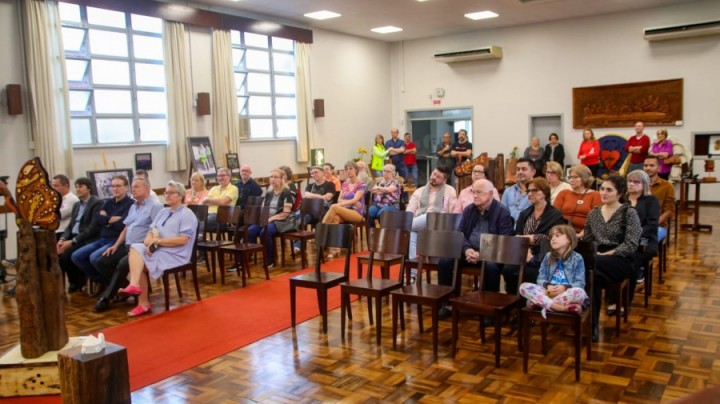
x=131, y=290
x=139, y=311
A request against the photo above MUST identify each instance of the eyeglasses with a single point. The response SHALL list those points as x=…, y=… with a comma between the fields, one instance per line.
x=168, y=193
x=550, y=172
x=117, y=185
x=531, y=190
x=634, y=182
x=573, y=177
x=478, y=172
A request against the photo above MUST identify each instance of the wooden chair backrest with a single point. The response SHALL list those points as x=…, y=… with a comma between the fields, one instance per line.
x=443, y=221
x=509, y=250
x=396, y=219
x=439, y=244
x=388, y=241
x=254, y=201
x=313, y=207
x=333, y=236
x=226, y=215
x=257, y=215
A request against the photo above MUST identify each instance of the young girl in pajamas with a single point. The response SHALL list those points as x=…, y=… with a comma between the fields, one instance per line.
x=561, y=281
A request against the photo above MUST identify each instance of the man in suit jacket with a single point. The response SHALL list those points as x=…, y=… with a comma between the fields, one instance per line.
x=80, y=231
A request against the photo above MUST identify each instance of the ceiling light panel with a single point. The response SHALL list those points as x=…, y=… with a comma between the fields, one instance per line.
x=481, y=15
x=322, y=15
x=389, y=29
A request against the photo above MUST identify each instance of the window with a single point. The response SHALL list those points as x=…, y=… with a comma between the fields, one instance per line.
x=115, y=74
x=265, y=82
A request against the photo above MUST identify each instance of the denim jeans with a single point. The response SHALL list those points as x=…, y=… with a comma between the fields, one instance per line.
x=412, y=171
x=85, y=255
x=375, y=212
x=254, y=231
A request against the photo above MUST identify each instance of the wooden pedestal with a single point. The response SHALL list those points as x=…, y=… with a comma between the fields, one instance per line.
x=95, y=378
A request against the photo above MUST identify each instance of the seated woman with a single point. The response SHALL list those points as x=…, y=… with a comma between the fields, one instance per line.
x=386, y=195
x=648, y=209
x=168, y=244
x=534, y=223
x=350, y=207
x=554, y=175
x=280, y=200
x=197, y=191
x=576, y=203
x=615, y=228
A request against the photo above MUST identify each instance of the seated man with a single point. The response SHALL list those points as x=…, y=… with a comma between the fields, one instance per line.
x=223, y=194
x=112, y=266
x=80, y=231
x=436, y=196
x=144, y=174
x=319, y=189
x=663, y=191
x=109, y=218
x=61, y=183
x=515, y=198
x=247, y=186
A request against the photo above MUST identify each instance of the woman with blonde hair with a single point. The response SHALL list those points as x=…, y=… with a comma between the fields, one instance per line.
x=379, y=154
x=576, y=203
x=197, y=191
x=554, y=176
x=589, y=153
x=535, y=153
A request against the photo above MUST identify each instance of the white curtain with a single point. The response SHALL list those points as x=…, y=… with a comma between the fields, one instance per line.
x=46, y=77
x=179, y=94
x=305, y=117
x=225, y=125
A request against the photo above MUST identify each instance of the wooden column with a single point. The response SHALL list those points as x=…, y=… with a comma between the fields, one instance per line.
x=94, y=378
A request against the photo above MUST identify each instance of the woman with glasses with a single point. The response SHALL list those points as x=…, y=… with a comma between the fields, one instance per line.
x=648, y=210
x=534, y=223
x=589, y=153
x=554, y=175
x=280, y=199
x=466, y=198
x=350, y=207
x=615, y=228
x=576, y=203
x=168, y=244
x=197, y=191
x=385, y=194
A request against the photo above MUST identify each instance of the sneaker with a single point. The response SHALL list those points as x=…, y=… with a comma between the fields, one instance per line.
x=641, y=276
x=271, y=266
x=296, y=250
x=231, y=269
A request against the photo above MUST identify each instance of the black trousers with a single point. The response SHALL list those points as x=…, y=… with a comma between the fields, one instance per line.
x=74, y=274
x=510, y=274
x=491, y=279
x=608, y=269
x=114, y=269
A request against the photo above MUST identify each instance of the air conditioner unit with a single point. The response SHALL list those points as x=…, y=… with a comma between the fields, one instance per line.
x=682, y=31
x=488, y=52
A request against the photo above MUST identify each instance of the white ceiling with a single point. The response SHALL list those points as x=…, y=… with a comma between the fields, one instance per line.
x=422, y=19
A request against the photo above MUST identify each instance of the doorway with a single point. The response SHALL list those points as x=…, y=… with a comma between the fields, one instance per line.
x=543, y=125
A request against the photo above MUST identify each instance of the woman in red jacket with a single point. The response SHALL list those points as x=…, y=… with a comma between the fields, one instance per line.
x=589, y=153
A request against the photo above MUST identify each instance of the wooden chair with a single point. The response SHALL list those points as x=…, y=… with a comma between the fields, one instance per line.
x=227, y=216
x=326, y=235
x=313, y=207
x=388, y=220
x=506, y=250
x=242, y=247
x=435, y=244
x=578, y=322
x=435, y=221
x=622, y=293
x=190, y=266
x=384, y=241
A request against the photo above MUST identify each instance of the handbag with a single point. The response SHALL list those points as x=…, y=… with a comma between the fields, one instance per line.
x=288, y=224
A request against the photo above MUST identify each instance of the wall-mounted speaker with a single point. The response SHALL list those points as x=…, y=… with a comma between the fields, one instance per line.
x=203, y=104
x=319, y=108
x=14, y=99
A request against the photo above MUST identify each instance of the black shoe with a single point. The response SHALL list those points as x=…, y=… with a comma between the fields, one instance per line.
x=74, y=288
x=595, y=334
x=10, y=292
x=102, y=305
x=488, y=321
x=444, y=313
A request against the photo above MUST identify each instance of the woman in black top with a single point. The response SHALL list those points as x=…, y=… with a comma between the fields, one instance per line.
x=648, y=209
x=280, y=200
x=534, y=223
x=554, y=151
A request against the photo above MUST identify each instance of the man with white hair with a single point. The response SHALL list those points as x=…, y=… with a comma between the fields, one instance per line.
x=247, y=186
x=223, y=194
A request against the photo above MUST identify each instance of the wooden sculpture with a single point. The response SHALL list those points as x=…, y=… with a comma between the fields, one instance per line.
x=494, y=171
x=39, y=281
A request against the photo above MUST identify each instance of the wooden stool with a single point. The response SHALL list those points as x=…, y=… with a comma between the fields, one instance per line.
x=94, y=378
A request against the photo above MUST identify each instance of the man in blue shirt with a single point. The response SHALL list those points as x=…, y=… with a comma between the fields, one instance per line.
x=396, y=149
x=515, y=198
x=111, y=267
x=110, y=219
x=247, y=186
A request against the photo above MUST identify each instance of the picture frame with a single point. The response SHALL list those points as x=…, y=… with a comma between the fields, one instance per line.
x=714, y=145
x=101, y=180
x=143, y=161
x=232, y=162
x=317, y=157
x=202, y=156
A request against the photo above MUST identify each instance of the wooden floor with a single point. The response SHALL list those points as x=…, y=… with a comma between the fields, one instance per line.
x=666, y=351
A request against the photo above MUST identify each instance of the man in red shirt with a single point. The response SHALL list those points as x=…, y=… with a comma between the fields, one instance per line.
x=637, y=146
x=410, y=160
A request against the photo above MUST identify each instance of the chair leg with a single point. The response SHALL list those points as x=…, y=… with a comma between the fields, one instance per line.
x=292, y=304
x=525, y=324
x=455, y=320
x=282, y=253
x=378, y=318
x=420, y=318
x=195, y=283
x=578, y=348
x=343, y=309
x=588, y=336
x=221, y=260
x=402, y=314
x=303, y=253
x=498, y=332
x=322, y=303
x=435, y=327
x=543, y=328
x=177, y=285
x=626, y=304
x=360, y=269
x=166, y=287
x=370, y=309
x=395, y=314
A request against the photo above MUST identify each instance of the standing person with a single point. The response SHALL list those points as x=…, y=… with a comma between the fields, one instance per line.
x=576, y=203
x=554, y=175
x=410, y=159
x=560, y=283
x=663, y=191
x=247, y=186
x=663, y=149
x=61, y=183
x=535, y=153
x=554, y=151
x=223, y=194
x=515, y=198
x=197, y=191
x=435, y=196
x=462, y=150
x=638, y=147
x=396, y=149
x=443, y=153
x=466, y=196
x=589, y=153
x=80, y=231
x=615, y=228
x=379, y=154
x=280, y=200
x=385, y=194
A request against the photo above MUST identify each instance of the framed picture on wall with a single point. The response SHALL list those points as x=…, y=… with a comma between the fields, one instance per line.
x=317, y=157
x=714, y=145
x=231, y=159
x=143, y=161
x=202, y=156
x=101, y=180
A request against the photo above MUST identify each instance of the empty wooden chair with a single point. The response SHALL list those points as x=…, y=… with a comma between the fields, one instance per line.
x=384, y=241
x=388, y=220
x=435, y=221
x=227, y=216
x=431, y=244
x=242, y=248
x=309, y=207
x=326, y=235
x=506, y=250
